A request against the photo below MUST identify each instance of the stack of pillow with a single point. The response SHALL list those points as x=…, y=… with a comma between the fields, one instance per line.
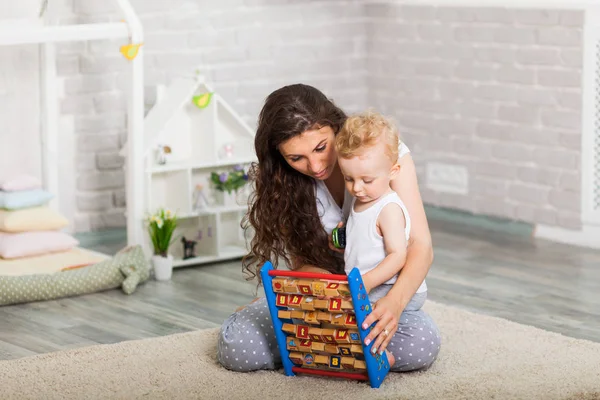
x=28, y=227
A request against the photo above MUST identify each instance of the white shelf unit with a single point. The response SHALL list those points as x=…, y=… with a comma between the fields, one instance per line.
x=197, y=137
x=38, y=31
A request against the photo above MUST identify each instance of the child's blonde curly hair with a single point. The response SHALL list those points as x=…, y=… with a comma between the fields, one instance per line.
x=364, y=130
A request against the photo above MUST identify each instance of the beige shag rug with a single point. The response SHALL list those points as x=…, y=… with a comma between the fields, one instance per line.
x=482, y=357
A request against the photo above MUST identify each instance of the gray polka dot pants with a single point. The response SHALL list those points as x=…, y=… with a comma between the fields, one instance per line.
x=247, y=340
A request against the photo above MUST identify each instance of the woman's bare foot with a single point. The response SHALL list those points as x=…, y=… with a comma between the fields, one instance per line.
x=244, y=306
x=391, y=359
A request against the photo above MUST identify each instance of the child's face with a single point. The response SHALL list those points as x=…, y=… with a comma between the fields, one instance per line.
x=368, y=174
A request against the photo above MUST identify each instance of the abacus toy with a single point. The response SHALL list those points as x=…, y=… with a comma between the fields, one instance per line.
x=318, y=324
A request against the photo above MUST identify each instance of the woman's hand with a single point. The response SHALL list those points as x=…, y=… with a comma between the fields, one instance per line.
x=331, y=246
x=386, y=312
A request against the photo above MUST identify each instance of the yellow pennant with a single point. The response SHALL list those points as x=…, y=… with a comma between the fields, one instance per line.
x=202, y=100
x=130, y=51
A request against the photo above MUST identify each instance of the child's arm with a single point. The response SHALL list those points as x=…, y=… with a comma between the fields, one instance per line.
x=390, y=225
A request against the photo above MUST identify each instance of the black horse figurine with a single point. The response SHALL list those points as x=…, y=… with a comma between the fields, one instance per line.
x=188, y=248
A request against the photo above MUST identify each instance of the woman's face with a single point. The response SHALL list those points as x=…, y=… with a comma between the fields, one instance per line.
x=312, y=152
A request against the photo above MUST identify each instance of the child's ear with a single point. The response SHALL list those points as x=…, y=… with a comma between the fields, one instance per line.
x=394, y=171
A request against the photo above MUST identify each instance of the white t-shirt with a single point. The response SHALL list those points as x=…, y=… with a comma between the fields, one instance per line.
x=331, y=214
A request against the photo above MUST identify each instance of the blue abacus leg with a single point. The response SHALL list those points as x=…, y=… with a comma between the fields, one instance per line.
x=277, y=325
x=377, y=365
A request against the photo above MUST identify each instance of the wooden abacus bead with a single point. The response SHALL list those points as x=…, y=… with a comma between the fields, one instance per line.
x=350, y=320
x=304, y=287
x=308, y=360
x=331, y=289
x=354, y=336
x=321, y=303
x=302, y=331
x=289, y=328
x=324, y=316
x=311, y=317
x=339, y=319
x=356, y=349
x=308, y=303
x=343, y=290
x=348, y=362
x=335, y=362
x=281, y=299
x=315, y=334
x=328, y=335
x=284, y=314
x=318, y=347
x=295, y=300
x=297, y=314
x=305, y=345
x=331, y=349
x=292, y=343
x=290, y=286
x=344, y=350
x=321, y=359
x=342, y=336
x=318, y=288
x=278, y=285
x=296, y=358
x=347, y=305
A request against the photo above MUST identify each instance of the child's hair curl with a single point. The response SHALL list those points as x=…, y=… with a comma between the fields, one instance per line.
x=365, y=130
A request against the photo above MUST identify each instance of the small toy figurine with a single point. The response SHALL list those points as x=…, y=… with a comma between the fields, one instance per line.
x=188, y=248
x=228, y=149
x=338, y=236
x=200, y=200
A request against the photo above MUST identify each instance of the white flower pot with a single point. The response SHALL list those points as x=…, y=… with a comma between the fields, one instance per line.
x=163, y=267
x=226, y=199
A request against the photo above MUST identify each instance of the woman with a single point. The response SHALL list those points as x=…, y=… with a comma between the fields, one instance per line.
x=299, y=198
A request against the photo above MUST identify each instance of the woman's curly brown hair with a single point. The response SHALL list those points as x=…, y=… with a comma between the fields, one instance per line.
x=282, y=216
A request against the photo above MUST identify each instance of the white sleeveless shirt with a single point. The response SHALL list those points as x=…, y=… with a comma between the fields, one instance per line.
x=331, y=214
x=364, y=245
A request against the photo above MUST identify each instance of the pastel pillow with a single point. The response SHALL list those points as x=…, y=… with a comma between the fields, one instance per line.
x=26, y=244
x=20, y=182
x=31, y=219
x=24, y=199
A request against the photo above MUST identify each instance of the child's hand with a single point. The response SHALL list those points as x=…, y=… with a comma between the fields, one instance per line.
x=331, y=246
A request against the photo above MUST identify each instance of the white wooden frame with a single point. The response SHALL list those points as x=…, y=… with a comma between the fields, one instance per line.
x=589, y=234
x=46, y=36
x=590, y=117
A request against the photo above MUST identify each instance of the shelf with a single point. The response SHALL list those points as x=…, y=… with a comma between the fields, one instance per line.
x=226, y=253
x=212, y=211
x=224, y=163
x=206, y=165
x=27, y=33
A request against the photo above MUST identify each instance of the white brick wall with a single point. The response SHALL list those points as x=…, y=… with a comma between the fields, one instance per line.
x=247, y=48
x=506, y=85
x=494, y=89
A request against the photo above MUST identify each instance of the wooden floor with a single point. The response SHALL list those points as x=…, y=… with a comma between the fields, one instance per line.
x=551, y=286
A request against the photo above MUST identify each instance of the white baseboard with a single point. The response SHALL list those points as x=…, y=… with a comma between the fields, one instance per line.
x=588, y=236
x=539, y=4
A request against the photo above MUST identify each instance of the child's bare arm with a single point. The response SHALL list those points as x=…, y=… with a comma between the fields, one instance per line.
x=391, y=225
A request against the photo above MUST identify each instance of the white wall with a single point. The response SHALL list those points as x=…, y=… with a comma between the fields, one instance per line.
x=19, y=99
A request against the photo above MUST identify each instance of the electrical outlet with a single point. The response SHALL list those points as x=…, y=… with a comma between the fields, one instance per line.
x=449, y=178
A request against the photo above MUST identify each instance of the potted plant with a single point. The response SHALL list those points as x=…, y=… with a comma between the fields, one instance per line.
x=161, y=226
x=227, y=184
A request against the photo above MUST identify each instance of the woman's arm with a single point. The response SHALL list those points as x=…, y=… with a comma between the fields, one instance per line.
x=418, y=259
